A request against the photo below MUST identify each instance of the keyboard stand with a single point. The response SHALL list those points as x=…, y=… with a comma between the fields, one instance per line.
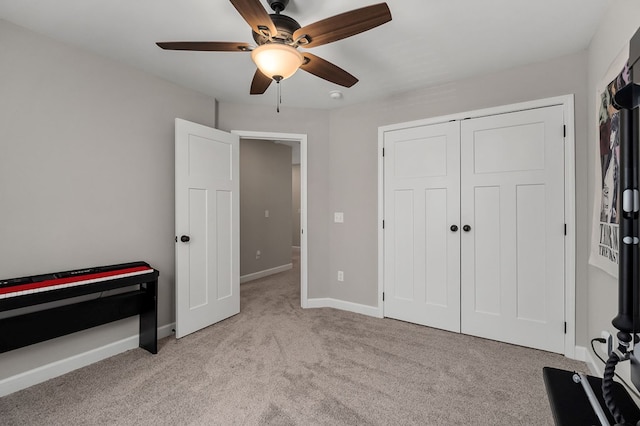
x=34, y=327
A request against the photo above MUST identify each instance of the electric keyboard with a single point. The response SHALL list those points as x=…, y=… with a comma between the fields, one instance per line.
x=47, y=282
x=49, y=322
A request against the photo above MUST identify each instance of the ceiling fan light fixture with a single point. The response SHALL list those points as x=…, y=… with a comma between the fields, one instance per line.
x=277, y=61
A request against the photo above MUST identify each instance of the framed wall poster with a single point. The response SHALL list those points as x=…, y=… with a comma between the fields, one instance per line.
x=606, y=203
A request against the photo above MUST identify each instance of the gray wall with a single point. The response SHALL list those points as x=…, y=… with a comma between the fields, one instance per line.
x=295, y=205
x=315, y=124
x=616, y=28
x=86, y=173
x=353, y=161
x=81, y=137
x=265, y=184
x=342, y=162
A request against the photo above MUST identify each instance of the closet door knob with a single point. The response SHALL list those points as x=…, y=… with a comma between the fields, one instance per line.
x=454, y=228
x=466, y=228
x=185, y=238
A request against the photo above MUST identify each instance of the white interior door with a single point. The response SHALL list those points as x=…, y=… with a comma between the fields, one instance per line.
x=207, y=226
x=422, y=203
x=512, y=191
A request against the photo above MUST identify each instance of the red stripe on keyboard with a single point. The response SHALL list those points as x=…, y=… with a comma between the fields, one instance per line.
x=69, y=280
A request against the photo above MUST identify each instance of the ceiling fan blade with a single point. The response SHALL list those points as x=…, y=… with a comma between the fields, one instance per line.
x=344, y=25
x=260, y=83
x=212, y=46
x=326, y=70
x=255, y=15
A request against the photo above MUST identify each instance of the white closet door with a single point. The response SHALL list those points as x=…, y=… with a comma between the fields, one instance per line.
x=422, y=202
x=512, y=191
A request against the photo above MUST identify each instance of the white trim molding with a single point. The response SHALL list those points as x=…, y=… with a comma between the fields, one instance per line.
x=327, y=302
x=594, y=368
x=304, y=231
x=265, y=273
x=580, y=353
x=64, y=366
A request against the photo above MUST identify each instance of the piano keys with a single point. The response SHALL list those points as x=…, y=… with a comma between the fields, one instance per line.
x=29, y=285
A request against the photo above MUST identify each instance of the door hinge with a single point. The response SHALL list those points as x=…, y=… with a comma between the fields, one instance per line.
x=565, y=327
x=383, y=296
x=383, y=152
x=382, y=223
x=565, y=229
x=564, y=131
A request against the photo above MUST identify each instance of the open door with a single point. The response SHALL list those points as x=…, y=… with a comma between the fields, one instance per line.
x=207, y=226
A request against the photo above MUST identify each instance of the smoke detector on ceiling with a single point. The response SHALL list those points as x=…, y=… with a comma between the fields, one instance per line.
x=335, y=94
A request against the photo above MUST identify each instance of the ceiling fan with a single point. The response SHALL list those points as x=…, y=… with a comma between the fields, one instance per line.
x=278, y=37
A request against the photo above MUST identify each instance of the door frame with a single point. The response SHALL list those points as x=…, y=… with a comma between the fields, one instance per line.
x=302, y=139
x=567, y=102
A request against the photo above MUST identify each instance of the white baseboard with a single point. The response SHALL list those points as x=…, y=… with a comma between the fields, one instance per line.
x=166, y=330
x=596, y=369
x=58, y=368
x=580, y=353
x=265, y=273
x=327, y=302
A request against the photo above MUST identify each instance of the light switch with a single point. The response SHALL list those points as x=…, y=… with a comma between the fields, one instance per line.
x=266, y=213
x=338, y=217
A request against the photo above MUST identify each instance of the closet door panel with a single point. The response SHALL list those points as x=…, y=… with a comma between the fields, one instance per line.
x=487, y=253
x=512, y=192
x=422, y=202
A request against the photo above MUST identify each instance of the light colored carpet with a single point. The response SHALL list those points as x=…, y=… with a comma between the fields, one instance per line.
x=277, y=364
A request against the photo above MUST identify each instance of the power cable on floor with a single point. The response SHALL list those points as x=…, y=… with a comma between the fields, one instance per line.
x=601, y=340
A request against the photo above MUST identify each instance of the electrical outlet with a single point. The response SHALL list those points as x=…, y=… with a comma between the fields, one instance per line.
x=607, y=347
x=340, y=275
x=258, y=254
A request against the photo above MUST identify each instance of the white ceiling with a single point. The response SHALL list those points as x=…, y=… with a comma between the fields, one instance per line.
x=427, y=42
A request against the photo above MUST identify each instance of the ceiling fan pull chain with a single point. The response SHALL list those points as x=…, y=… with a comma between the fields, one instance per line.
x=279, y=96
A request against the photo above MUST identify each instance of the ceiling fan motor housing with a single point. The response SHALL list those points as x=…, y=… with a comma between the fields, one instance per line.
x=286, y=27
x=278, y=5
